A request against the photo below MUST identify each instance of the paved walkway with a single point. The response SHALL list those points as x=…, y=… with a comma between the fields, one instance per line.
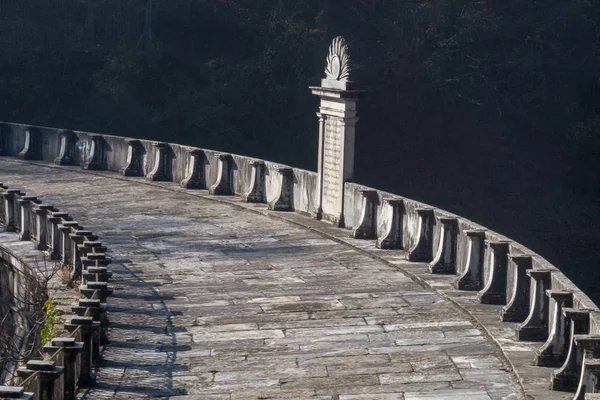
x=215, y=301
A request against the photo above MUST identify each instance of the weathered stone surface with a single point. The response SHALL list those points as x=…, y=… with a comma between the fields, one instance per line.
x=212, y=300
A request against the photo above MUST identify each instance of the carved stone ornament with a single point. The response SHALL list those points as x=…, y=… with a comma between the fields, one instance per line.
x=337, y=70
x=338, y=61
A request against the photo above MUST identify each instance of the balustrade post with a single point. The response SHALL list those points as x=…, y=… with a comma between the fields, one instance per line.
x=72, y=350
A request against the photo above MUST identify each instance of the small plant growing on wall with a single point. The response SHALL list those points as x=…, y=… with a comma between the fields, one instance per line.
x=49, y=328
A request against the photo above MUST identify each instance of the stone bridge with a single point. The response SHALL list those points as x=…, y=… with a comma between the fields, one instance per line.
x=208, y=275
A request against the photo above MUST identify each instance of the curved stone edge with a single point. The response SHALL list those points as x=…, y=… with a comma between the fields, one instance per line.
x=56, y=236
x=304, y=189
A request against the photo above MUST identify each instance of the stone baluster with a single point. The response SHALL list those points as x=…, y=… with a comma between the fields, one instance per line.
x=285, y=199
x=56, y=219
x=91, y=247
x=223, y=185
x=367, y=226
x=162, y=167
x=96, y=158
x=195, y=177
x=95, y=260
x=422, y=250
x=32, y=148
x=256, y=191
x=10, y=217
x=517, y=308
x=495, y=288
x=65, y=228
x=77, y=237
x=566, y=378
x=88, y=327
x=25, y=211
x=135, y=159
x=66, y=156
x=49, y=373
x=99, y=290
x=96, y=274
x=444, y=261
x=71, y=350
x=554, y=351
x=391, y=224
x=590, y=366
x=41, y=214
x=97, y=155
x=97, y=310
x=15, y=393
x=472, y=275
x=535, y=327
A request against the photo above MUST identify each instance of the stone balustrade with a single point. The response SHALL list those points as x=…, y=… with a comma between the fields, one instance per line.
x=68, y=361
x=521, y=286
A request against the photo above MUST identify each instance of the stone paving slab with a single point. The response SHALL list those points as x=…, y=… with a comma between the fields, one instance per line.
x=216, y=300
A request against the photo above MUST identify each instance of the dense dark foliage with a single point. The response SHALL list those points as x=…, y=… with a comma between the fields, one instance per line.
x=487, y=108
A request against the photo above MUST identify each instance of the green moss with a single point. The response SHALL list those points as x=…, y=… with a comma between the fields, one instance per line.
x=49, y=330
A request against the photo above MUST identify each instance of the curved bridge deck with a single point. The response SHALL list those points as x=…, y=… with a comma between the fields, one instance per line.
x=214, y=300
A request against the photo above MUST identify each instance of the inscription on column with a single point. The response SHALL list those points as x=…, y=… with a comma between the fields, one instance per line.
x=332, y=150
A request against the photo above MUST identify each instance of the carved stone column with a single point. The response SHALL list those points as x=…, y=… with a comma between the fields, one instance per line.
x=422, y=251
x=444, y=261
x=195, y=178
x=96, y=157
x=285, y=199
x=41, y=214
x=32, y=149
x=256, y=190
x=494, y=291
x=71, y=350
x=25, y=210
x=162, y=167
x=391, y=225
x=535, y=327
x=517, y=308
x=566, y=377
x=67, y=148
x=367, y=226
x=49, y=373
x=472, y=276
x=337, y=121
x=223, y=185
x=135, y=159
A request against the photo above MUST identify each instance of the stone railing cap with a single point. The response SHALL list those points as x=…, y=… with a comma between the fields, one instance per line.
x=40, y=365
x=11, y=392
x=63, y=341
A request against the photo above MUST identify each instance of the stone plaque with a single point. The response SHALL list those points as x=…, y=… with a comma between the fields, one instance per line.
x=332, y=161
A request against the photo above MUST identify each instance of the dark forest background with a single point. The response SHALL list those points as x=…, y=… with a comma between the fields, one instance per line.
x=490, y=109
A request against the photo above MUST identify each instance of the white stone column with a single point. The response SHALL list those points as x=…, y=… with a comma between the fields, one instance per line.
x=337, y=121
